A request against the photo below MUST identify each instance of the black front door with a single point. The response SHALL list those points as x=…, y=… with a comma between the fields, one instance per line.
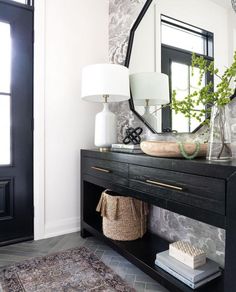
x=16, y=122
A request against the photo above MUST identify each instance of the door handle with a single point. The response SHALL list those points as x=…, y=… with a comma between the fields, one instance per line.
x=100, y=169
x=164, y=185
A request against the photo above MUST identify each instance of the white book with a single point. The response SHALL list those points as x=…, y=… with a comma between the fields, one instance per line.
x=186, y=281
x=125, y=146
x=134, y=151
x=193, y=275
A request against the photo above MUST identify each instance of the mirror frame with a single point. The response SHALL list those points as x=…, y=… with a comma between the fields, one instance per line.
x=128, y=56
x=127, y=62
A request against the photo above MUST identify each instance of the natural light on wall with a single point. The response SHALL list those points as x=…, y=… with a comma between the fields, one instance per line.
x=5, y=81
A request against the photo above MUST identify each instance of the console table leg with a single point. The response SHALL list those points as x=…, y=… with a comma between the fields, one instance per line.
x=84, y=233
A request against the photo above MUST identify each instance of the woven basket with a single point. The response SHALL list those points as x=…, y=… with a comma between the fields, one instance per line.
x=124, y=218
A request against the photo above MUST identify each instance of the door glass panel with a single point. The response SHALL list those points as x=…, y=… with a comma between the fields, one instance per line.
x=5, y=84
x=185, y=36
x=180, y=38
x=180, y=83
x=20, y=1
x=184, y=83
x=5, y=132
x=5, y=57
x=195, y=86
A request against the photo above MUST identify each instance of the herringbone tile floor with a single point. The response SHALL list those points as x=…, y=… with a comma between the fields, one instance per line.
x=18, y=252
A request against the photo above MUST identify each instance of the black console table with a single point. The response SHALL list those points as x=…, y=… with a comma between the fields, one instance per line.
x=197, y=189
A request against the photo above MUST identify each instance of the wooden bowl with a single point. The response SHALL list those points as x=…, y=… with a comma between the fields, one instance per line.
x=171, y=149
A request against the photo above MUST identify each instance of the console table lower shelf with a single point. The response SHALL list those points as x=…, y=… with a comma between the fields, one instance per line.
x=142, y=253
x=197, y=189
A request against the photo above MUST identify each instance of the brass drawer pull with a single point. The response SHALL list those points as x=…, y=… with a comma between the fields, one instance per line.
x=164, y=185
x=100, y=169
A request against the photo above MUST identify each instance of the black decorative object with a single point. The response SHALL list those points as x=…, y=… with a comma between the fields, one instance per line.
x=133, y=135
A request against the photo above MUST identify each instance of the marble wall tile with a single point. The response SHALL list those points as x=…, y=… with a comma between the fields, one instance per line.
x=174, y=227
x=167, y=224
x=122, y=14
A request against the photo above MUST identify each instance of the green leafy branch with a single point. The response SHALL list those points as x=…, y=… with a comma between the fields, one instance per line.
x=207, y=95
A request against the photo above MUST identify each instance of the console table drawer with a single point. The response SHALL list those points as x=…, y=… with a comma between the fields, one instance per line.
x=105, y=169
x=198, y=191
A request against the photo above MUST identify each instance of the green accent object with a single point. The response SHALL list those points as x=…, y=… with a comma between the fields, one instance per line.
x=185, y=154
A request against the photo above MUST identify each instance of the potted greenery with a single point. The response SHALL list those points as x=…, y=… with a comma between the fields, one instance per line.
x=215, y=100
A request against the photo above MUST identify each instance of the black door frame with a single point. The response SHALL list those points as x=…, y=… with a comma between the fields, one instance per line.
x=168, y=55
x=17, y=124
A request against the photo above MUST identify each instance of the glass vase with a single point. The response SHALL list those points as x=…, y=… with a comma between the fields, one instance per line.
x=219, y=143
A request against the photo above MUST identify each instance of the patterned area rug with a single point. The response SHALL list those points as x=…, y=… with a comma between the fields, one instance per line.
x=72, y=270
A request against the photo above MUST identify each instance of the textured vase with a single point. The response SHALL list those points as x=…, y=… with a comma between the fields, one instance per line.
x=219, y=144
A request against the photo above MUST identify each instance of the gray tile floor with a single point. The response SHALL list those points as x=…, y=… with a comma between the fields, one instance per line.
x=136, y=278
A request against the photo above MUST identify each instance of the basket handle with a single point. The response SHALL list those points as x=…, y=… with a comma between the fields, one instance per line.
x=102, y=206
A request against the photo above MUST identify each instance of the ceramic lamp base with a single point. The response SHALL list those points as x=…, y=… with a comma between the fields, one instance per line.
x=150, y=118
x=105, y=128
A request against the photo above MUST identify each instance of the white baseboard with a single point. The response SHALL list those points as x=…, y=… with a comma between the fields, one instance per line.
x=61, y=227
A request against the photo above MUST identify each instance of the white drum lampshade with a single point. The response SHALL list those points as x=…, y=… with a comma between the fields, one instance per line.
x=150, y=89
x=151, y=86
x=105, y=83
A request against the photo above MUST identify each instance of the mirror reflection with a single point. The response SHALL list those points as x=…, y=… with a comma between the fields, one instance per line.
x=160, y=61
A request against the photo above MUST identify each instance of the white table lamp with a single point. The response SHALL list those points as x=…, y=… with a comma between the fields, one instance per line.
x=150, y=89
x=105, y=83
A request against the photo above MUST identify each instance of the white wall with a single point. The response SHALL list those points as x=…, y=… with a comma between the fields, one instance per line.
x=231, y=33
x=76, y=34
x=142, y=58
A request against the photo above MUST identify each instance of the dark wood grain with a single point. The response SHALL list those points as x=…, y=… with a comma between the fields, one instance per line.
x=199, y=191
x=203, y=167
x=208, y=195
x=118, y=171
x=230, y=249
x=180, y=208
x=142, y=253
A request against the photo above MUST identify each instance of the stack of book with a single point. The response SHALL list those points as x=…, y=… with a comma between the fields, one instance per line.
x=193, y=277
x=126, y=148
